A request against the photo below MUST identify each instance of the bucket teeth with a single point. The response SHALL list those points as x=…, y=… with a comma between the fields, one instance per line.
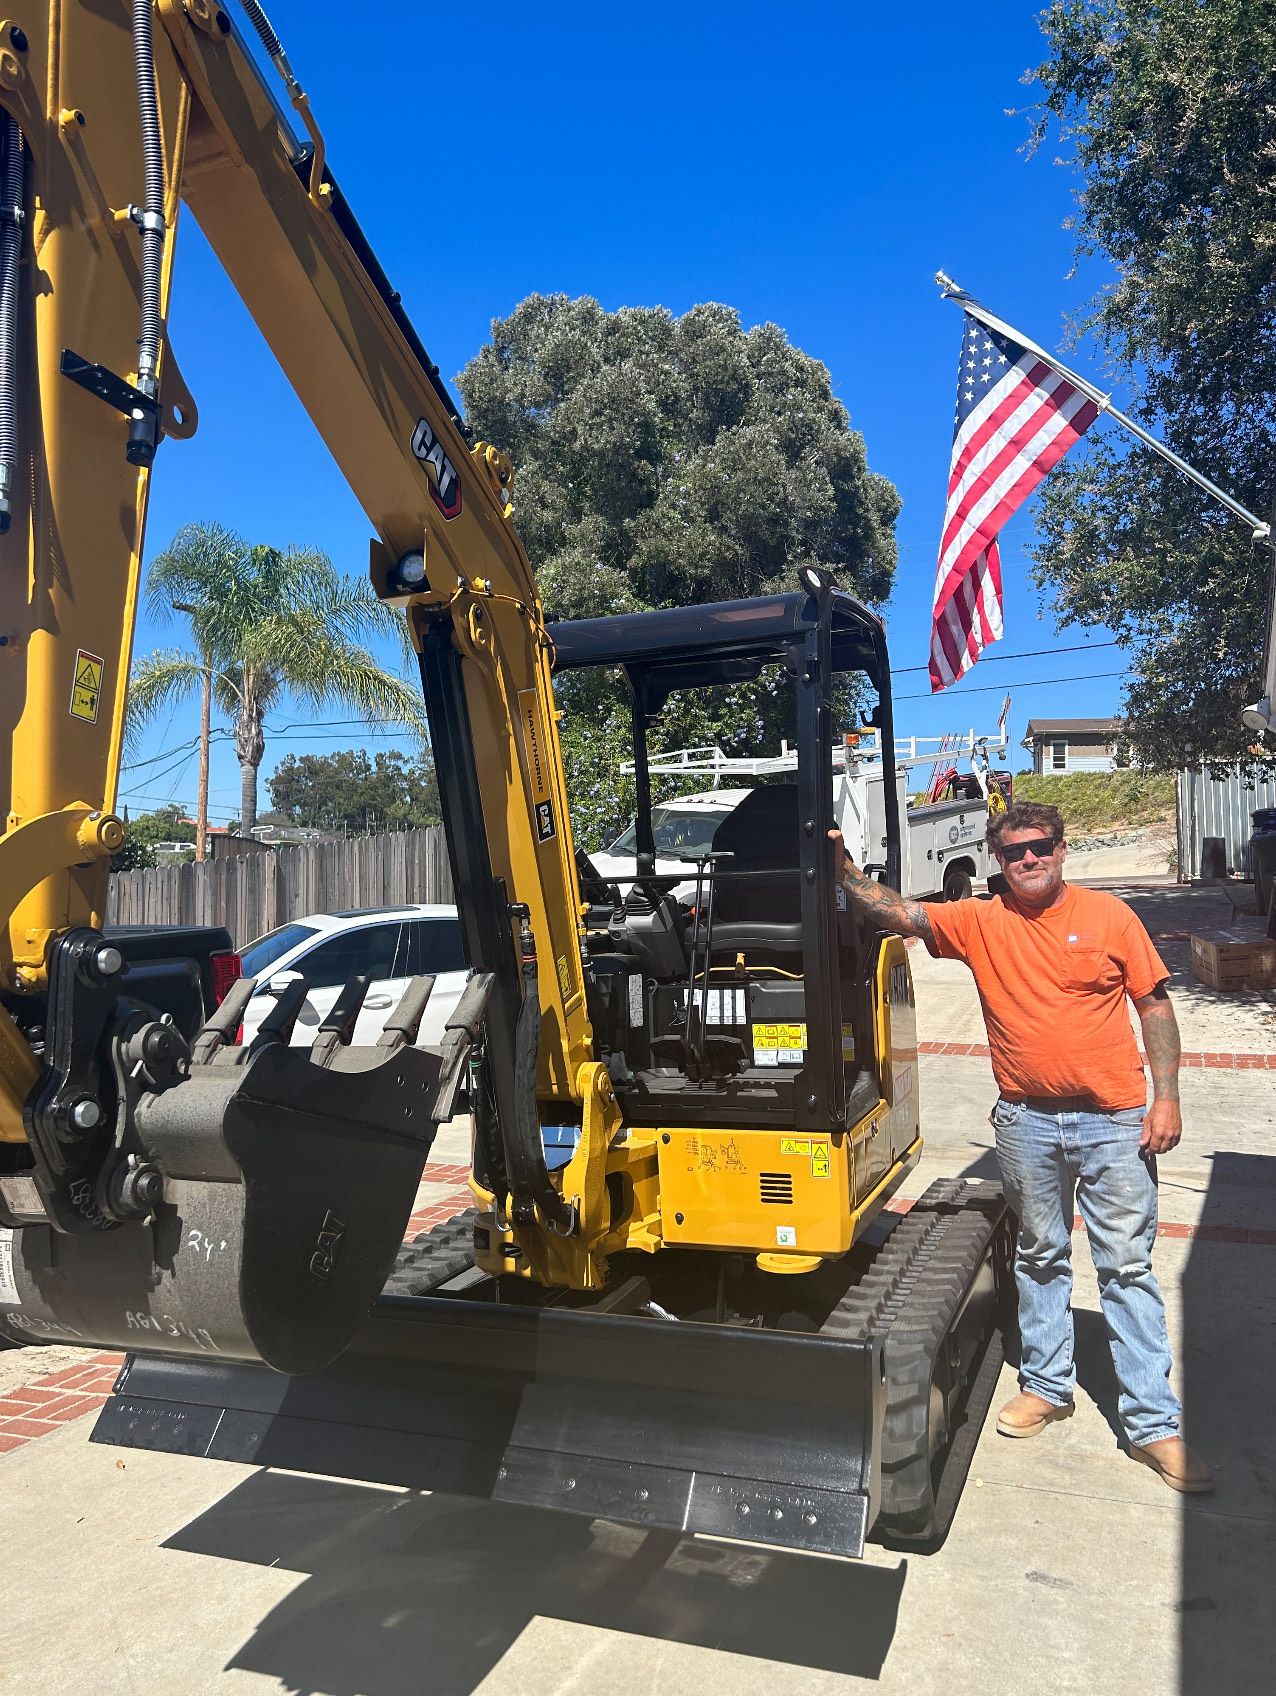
x=337, y=1028
x=462, y=1032
x=279, y=1021
x=403, y=1024
x=221, y=1025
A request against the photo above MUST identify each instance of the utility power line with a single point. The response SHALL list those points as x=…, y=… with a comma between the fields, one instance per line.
x=997, y=688
x=1031, y=654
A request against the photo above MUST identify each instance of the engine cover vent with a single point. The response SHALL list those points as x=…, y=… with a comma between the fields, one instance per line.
x=776, y=1188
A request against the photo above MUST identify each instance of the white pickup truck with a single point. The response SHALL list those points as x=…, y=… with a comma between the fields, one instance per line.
x=944, y=849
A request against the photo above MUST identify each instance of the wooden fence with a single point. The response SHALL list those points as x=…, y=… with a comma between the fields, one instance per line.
x=253, y=893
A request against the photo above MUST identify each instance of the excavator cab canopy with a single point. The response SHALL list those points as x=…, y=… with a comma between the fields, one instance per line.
x=765, y=946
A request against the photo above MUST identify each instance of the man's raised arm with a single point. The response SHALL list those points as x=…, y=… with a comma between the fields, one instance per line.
x=888, y=910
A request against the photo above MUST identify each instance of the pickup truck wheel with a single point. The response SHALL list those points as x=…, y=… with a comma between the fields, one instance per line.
x=957, y=885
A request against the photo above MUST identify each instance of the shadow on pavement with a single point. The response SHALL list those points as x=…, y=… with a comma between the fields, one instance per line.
x=406, y=1593
x=984, y=1165
x=1227, y=1625
x=1093, y=1357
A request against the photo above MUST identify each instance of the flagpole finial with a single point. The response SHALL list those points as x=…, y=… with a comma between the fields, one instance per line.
x=947, y=284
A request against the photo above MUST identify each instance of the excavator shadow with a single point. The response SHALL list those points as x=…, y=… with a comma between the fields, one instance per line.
x=406, y=1592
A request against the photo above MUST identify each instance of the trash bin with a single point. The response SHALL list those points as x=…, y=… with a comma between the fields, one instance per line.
x=1262, y=855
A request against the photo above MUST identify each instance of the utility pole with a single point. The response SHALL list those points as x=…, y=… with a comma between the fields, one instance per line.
x=205, y=737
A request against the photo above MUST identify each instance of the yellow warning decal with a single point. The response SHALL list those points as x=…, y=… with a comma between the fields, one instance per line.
x=779, y=1036
x=848, y=1042
x=795, y=1145
x=564, y=976
x=86, y=690
x=821, y=1160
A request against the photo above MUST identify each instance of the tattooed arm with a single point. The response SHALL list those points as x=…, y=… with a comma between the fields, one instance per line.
x=1163, y=1125
x=878, y=901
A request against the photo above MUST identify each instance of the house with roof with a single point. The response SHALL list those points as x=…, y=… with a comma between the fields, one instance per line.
x=1073, y=744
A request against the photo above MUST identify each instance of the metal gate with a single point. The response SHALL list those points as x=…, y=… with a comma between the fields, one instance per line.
x=1220, y=806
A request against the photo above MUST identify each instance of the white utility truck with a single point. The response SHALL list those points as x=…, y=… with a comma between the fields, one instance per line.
x=944, y=848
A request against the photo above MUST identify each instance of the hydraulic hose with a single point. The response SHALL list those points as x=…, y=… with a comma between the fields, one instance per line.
x=296, y=94
x=11, y=216
x=269, y=40
x=525, y=1154
x=150, y=215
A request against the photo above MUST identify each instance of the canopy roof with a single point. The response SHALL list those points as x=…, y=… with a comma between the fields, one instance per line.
x=722, y=642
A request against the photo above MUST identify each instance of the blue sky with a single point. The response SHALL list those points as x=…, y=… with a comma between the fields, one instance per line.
x=812, y=166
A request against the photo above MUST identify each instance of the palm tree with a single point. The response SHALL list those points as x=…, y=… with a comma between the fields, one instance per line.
x=266, y=622
x=186, y=578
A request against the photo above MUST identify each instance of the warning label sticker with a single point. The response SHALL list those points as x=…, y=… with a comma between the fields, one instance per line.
x=779, y=1045
x=795, y=1145
x=8, y=1287
x=86, y=690
x=821, y=1160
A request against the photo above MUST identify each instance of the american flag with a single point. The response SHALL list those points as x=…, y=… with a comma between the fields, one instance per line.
x=1016, y=416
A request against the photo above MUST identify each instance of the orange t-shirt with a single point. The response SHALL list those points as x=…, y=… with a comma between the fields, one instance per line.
x=1053, y=988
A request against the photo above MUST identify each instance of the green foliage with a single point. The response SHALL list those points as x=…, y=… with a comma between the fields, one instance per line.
x=737, y=718
x=1169, y=110
x=1103, y=800
x=348, y=791
x=167, y=824
x=667, y=461
x=270, y=623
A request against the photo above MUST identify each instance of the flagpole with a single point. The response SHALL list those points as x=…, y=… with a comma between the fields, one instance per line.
x=1262, y=531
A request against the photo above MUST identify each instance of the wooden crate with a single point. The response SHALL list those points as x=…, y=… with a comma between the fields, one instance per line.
x=1233, y=959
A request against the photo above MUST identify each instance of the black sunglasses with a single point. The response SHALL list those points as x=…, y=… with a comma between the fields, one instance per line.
x=1041, y=846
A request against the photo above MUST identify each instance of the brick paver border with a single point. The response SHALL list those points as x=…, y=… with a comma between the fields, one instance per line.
x=1222, y=1060
x=54, y=1399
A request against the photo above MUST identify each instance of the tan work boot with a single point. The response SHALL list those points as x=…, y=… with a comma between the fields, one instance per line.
x=1175, y=1465
x=1026, y=1414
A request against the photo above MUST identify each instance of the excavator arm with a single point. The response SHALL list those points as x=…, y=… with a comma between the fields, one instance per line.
x=125, y=1151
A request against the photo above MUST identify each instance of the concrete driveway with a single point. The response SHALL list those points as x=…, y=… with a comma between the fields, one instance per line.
x=1068, y=1568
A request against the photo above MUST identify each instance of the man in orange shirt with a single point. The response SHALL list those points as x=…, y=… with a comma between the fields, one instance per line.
x=1054, y=965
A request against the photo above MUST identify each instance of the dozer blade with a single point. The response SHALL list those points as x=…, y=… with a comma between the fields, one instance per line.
x=283, y=1179
x=806, y=1440
x=768, y=1437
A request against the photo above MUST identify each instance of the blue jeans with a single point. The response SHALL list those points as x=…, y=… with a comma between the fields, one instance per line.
x=1045, y=1159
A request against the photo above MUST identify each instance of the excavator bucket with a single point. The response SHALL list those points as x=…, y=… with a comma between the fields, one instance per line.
x=278, y=1184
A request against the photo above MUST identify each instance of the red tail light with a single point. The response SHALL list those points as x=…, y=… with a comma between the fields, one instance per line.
x=226, y=968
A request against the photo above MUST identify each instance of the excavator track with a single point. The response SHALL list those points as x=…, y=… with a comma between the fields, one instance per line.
x=939, y=1288
x=434, y=1257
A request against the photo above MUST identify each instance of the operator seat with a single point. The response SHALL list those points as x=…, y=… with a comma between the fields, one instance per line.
x=757, y=895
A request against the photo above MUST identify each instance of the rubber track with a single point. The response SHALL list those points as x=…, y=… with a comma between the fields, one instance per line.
x=911, y=1292
x=434, y=1257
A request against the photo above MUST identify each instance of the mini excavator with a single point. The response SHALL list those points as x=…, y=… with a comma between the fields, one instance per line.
x=680, y=1299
